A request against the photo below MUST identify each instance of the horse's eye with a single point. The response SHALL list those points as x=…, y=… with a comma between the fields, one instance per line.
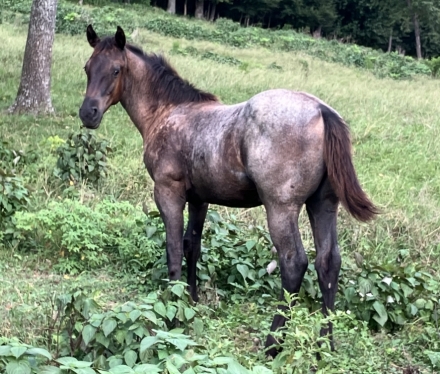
x=116, y=72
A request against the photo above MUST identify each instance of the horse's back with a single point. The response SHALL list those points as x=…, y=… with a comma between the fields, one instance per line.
x=284, y=139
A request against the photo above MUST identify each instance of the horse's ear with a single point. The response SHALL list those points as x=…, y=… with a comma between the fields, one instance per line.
x=120, y=38
x=92, y=37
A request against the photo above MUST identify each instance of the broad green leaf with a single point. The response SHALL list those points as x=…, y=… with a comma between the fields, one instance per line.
x=189, y=313
x=236, y=368
x=147, y=369
x=250, y=244
x=135, y=314
x=171, y=312
x=171, y=368
x=178, y=289
x=177, y=360
x=50, y=370
x=420, y=303
x=160, y=309
x=181, y=343
x=222, y=360
x=406, y=290
x=5, y=350
x=121, y=369
x=261, y=370
x=18, y=351
x=18, y=367
x=108, y=326
x=39, y=351
x=101, y=339
x=198, y=326
x=130, y=358
x=429, y=305
x=150, y=231
x=66, y=361
x=85, y=371
x=148, y=314
x=148, y=342
x=350, y=294
x=243, y=270
x=190, y=370
x=88, y=333
x=382, y=316
x=412, y=309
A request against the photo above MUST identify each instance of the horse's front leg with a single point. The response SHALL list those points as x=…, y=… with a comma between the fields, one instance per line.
x=192, y=243
x=170, y=199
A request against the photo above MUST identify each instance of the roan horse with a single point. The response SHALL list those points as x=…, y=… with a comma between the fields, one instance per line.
x=280, y=149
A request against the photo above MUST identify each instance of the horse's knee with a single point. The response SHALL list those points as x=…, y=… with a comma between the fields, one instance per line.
x=328, y=264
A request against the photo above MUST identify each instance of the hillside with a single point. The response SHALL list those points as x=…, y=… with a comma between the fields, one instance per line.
x=394, y=125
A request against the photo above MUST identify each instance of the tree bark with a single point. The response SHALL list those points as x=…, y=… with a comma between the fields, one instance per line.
x=33, y=95
x=212, y=14
x=417, y=35
x=199, y=9
x=416, y=29
x=390, y=42
x=317, y=33
x=185, y=8
x=171, y=6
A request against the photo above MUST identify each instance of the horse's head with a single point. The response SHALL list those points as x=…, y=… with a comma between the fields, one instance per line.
x=105, y=70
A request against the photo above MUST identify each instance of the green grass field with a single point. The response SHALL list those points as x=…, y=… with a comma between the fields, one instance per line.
x=395, y=129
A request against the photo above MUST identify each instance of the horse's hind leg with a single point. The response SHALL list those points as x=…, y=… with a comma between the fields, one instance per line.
x=322, y=209
x=192, y=243
x=284, y=231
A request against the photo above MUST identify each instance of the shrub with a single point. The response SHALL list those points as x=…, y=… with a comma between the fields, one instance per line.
x=14, y=197
x=79, y=237
x=82, y=158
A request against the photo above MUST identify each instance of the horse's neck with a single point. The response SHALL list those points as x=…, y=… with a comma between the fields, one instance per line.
x=139, y=102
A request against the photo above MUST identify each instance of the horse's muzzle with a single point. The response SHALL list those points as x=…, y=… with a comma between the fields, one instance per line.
x=90, y=114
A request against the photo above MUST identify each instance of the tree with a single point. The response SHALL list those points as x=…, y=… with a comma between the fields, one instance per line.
x=171, y=6
x=34, y=91
x=199, y=9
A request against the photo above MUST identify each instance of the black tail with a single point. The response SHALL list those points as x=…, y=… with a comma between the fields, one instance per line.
x=340, y=169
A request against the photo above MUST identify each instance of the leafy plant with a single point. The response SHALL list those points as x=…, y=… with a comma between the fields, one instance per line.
x=81, y=237
x=14, y=197
x=82, y=158
x=16, y=357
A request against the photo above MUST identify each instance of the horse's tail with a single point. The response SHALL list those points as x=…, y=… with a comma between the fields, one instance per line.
x=340, y=169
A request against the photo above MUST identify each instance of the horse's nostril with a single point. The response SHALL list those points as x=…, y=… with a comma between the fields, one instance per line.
x=94, y=110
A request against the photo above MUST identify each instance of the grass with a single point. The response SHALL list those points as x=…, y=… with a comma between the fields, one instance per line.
x=395, y=127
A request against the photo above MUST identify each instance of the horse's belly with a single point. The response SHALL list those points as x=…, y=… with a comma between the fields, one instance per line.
x=226, y=191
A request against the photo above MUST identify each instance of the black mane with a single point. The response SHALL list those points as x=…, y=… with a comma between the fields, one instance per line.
x=164, y=80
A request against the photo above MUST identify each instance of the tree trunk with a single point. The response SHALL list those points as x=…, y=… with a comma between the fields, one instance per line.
x=390, y=42
x=34, y=91
x=416, y=29
x=171, y=6
x=199, y=9
x=317, y=33
x=246, y=21
x=417, y=35
x=185, y=8
x=270, y=19
x=212, y=14
x=80, y=2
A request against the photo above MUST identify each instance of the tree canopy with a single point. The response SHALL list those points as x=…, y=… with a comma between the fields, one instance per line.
x=390, y=25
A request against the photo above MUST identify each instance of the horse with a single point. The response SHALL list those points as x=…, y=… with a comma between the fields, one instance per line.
x=281, y=149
